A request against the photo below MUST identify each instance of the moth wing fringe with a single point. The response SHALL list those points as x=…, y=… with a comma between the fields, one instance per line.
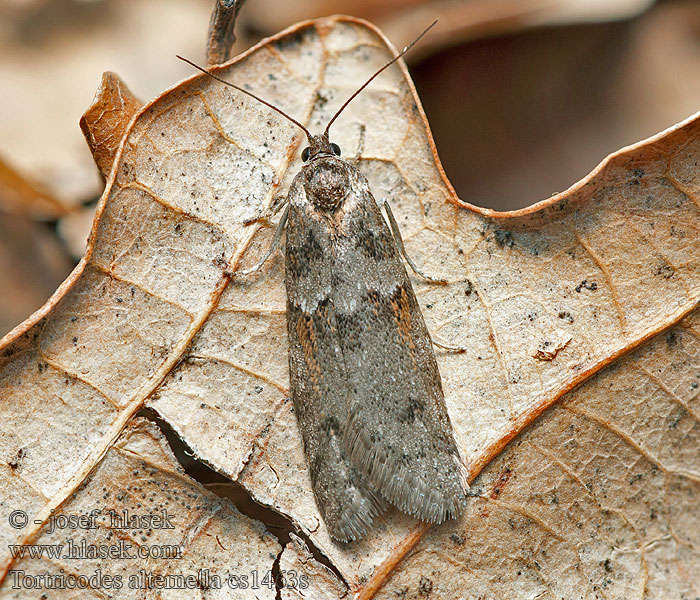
x=395, y=483
x=356, y=520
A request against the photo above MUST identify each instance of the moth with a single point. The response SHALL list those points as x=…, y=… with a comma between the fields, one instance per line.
x=364, y=380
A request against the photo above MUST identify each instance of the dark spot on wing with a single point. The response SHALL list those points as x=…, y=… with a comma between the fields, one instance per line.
x=300, y=259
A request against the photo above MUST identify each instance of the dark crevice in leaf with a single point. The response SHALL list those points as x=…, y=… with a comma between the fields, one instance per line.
x=275, y=522
x=276, y=574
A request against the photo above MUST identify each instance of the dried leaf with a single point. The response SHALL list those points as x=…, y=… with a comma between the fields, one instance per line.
x=32, y=264
x=597, y=498
x=149, y=318
x=20, y=196
x=74, y=230
x=53, y=55
x=104, y=123
x=196, y=535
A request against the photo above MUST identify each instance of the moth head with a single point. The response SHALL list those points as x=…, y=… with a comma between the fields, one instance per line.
x=319, y=145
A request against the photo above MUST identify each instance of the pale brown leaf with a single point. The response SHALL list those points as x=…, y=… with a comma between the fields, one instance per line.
x=544, y=299
x=104, y=123
x=20, y=196
x=32, y=264
x=597, y=499
x=53, y=55
x=196, y=534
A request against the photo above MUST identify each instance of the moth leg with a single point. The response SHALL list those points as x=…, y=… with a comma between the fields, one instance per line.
x=273, y=246
x=360, y=146
x=402, y=249
x=450, y=348
x=263, y=214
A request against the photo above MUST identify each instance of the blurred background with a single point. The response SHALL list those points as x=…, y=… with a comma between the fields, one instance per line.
x=524, y=97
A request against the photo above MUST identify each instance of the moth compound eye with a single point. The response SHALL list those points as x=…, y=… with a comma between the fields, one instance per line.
x=305, y=154
x=336, y=149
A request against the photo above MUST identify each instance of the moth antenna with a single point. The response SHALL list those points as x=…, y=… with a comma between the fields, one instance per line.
x=240, y=89
x=366, y=83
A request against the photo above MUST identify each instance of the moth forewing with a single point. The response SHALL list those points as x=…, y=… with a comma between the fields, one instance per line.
x=318, y=381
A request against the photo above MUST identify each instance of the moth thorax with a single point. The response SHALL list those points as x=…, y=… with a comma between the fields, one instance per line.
x=326, y=182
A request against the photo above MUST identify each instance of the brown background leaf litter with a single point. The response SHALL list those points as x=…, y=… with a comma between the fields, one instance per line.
x=579, y=314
